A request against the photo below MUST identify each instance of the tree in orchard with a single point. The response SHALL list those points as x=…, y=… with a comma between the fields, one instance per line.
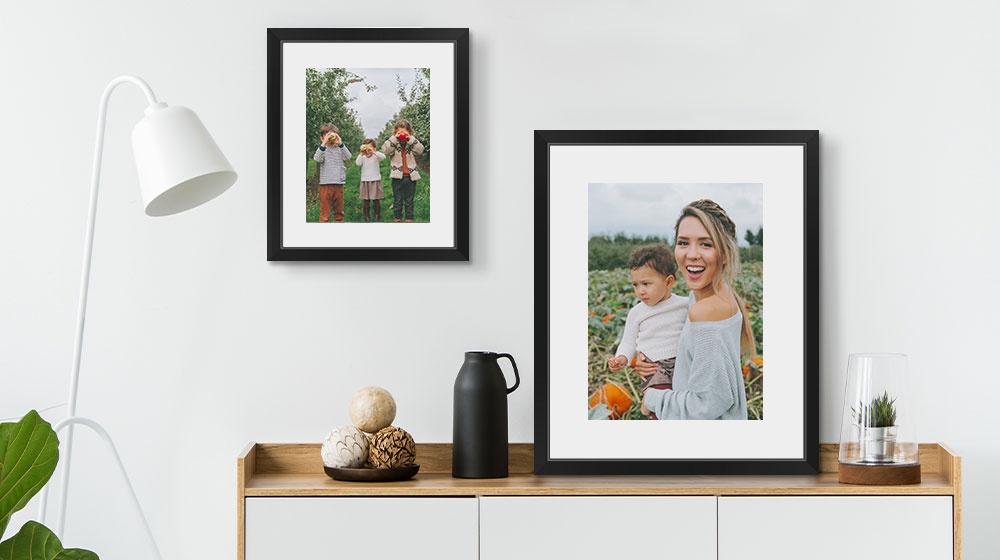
x=327, y=102
x=416, y=109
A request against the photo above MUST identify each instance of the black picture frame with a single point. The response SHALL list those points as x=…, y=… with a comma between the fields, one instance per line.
x=454, y=234
x=550, y=323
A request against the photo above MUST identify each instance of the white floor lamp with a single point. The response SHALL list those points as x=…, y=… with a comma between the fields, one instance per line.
x=179, y=167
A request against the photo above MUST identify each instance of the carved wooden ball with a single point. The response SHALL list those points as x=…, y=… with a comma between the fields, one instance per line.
x=372, y=408
x=345, y=447
x=391, y=447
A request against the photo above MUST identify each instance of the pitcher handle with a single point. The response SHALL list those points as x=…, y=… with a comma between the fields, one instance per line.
x=517, y=378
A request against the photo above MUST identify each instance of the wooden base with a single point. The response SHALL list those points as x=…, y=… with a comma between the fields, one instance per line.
x=878, y=475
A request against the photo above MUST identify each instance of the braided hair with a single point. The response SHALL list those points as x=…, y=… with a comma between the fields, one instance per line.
x=722, y=229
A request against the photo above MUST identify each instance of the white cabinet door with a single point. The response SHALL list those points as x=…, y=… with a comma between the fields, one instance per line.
x=526, y=528
x=336, y=528
x=835, y=527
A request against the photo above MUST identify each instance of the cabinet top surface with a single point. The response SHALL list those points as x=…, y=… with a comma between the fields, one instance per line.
x=273, y=470
x=439, y=484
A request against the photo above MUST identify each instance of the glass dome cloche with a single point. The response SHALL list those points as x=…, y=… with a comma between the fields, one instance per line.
x=878, y=436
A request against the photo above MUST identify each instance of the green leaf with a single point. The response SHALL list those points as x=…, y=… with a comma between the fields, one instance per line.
x=29, y=450
x=36, y=542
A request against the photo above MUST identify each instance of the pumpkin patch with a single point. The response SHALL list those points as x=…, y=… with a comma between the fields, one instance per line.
x=615, y=397
x=610, y=296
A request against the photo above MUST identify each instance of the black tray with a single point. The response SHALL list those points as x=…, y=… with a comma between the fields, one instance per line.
x=372, y=475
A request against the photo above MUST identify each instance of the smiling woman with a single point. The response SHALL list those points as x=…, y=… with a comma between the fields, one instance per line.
x=708, y=381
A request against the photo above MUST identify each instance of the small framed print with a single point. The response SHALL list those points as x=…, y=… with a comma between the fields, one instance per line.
x=355, y=118
x=655, y=296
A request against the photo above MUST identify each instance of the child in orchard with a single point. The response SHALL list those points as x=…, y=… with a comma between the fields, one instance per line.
x=370, y=188
x=332, y=157
x=401, y=147
x=654, y=324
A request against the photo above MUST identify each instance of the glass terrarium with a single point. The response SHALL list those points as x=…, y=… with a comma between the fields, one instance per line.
x=878, y=427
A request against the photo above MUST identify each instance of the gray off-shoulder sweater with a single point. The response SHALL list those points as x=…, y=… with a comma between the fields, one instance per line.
x=708, y=379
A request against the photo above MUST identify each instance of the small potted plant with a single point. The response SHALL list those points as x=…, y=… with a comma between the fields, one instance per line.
x=876, y=422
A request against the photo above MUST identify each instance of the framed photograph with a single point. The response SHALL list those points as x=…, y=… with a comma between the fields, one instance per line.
x=651, y=305
x=353, y=118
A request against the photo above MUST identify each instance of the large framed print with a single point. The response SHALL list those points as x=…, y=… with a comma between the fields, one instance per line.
x=658, y=307
x=354, y=117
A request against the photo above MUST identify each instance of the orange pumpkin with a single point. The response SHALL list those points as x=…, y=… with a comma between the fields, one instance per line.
x=614, y=396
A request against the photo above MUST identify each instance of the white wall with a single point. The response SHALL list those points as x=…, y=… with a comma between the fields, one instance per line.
x=197, y=345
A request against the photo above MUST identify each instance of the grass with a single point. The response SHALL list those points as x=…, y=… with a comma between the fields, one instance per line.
x=352, y=201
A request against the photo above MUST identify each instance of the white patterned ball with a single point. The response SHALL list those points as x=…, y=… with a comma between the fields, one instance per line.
x=345, y=447
x=372, y=408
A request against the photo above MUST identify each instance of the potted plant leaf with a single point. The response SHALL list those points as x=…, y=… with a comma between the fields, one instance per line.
x=876, y=421
x=29, y=451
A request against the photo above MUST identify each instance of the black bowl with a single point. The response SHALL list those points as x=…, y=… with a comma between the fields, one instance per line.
x=372, y=475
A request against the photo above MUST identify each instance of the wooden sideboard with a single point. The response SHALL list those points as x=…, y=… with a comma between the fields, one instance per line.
x=717, y=517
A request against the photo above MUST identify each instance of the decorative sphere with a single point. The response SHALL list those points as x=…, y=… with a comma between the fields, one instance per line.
x=372, y=408
x=391, y=447
x=345, y=447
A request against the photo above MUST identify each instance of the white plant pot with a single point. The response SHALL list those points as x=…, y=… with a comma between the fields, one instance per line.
x=878, y=445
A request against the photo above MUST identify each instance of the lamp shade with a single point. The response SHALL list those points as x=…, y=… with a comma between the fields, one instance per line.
x=178, y=163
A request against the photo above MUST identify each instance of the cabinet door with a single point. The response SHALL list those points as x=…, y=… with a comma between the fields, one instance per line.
x=335, y=528
x=835, y=527
x=597, y=527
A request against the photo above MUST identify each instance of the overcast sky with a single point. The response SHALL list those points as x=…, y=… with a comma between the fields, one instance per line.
x=653, y=208
x=377, y=107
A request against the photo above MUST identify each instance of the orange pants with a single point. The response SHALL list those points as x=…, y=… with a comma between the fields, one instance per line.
x=331, y=196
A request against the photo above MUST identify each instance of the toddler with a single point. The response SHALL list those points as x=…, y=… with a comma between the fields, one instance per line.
x=655, y=323
x=370, y=188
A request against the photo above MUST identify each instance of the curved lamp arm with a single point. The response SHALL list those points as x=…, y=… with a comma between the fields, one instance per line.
x=88, y=251
x=88, y=244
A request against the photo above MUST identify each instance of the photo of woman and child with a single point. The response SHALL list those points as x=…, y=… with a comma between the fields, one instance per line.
x=687, y=349
x=383, y=114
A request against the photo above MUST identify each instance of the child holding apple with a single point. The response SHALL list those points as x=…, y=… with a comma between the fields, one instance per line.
x=370, y=188
x=401, y=147
x=332, y=157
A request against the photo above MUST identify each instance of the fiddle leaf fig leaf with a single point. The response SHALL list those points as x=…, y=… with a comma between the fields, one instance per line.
x=29, y=450
x=36, y=542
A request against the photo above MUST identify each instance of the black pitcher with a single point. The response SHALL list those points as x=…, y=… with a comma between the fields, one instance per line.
x=479, y=446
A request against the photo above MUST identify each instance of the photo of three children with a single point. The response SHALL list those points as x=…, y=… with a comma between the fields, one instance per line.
x=332, y=156
x=367, y=140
